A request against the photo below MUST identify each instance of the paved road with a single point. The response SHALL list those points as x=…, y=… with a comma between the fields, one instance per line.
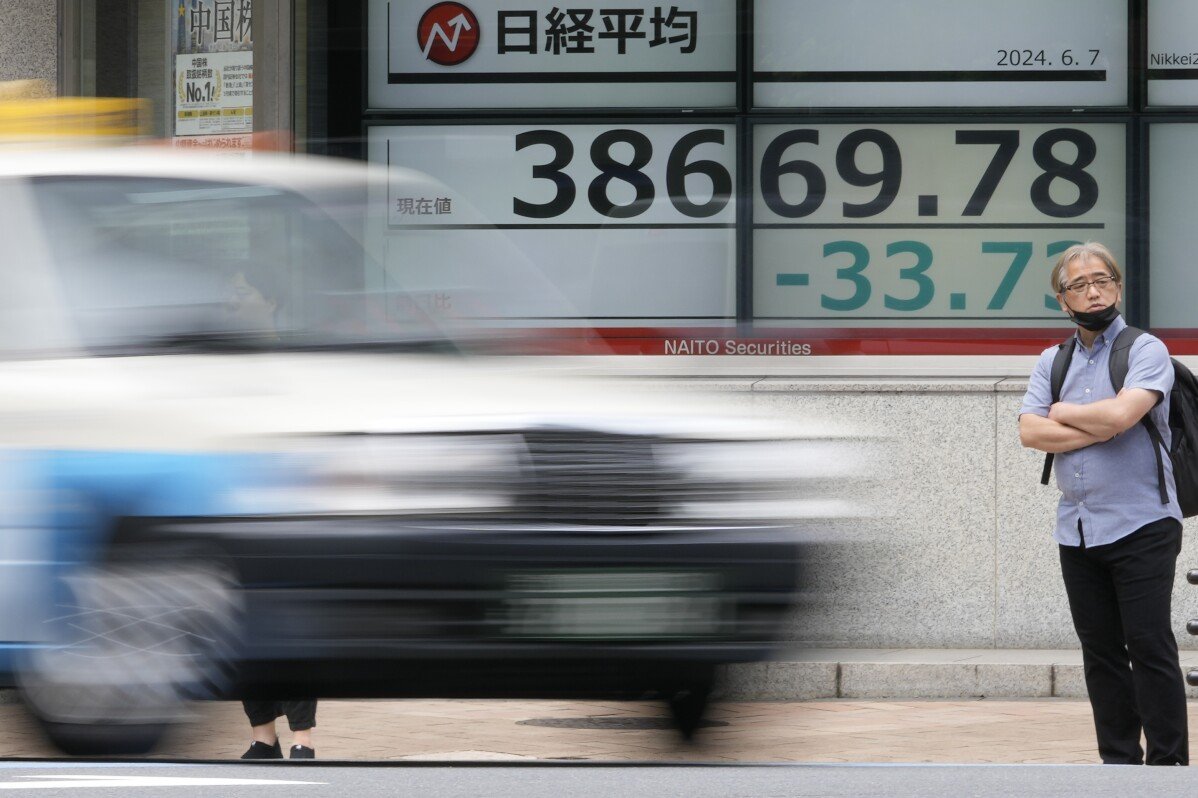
x=73, y=780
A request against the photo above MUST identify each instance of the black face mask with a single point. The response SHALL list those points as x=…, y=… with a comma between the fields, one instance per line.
x=1095, y=322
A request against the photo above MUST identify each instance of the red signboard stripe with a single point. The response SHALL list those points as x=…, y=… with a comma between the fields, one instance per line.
x=682, y=341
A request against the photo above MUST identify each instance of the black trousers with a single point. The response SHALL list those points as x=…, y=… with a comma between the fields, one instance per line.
x=301, y=715
x=1120, y=596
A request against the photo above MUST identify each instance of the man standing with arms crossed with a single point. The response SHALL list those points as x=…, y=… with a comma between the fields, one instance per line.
x=1118, y=541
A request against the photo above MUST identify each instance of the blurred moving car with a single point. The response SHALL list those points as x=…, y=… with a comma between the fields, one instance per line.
x=234, y=464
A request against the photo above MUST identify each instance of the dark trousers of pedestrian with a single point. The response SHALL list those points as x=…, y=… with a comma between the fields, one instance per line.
x=301, y=715
x=1120, y=595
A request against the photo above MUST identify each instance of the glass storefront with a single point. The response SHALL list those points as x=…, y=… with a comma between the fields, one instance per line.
x=766, y=176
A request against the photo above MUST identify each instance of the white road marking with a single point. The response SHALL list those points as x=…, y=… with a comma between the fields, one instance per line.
x=60, y=781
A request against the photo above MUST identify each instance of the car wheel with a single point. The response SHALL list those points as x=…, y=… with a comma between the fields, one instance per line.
x=688, y=701
x=129, y=642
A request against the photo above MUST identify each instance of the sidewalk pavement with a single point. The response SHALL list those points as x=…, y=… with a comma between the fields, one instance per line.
x=828, y=705
x=1055, y=730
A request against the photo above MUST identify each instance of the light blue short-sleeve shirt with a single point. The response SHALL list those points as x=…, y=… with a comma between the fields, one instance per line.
x=1111, y=487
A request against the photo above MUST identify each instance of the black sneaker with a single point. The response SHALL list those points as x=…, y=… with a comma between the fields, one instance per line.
x=302, y=752
x=258, y=750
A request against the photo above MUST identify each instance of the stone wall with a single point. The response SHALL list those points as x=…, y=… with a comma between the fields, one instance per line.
x=961, y=554
x=29, y=41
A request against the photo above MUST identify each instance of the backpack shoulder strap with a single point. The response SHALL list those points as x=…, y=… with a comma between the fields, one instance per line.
x=1060, y=365
x=1120, y=352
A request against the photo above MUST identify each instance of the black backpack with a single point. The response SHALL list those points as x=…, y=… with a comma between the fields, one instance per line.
x=1183, y=418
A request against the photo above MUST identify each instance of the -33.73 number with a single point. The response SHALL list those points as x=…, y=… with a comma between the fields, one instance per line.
x=858, y=257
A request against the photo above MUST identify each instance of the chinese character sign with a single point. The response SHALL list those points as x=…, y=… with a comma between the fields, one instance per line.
x=577, y=31
x=207, y=26
x=574, y=54
x=214, y=67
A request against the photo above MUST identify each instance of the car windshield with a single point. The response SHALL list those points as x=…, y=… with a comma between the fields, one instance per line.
x=147, y=263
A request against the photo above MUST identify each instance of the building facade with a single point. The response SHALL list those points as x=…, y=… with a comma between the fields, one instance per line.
x=845, y=209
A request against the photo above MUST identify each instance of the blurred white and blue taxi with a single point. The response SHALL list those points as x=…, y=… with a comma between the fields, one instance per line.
x=235, y=462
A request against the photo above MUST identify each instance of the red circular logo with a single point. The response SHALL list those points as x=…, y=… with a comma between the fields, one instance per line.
x=448, y=33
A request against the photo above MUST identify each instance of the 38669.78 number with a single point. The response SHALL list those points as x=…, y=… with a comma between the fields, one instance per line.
x=637, y=151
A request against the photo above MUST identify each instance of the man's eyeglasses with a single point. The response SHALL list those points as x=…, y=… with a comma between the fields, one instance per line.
x=1079, y=288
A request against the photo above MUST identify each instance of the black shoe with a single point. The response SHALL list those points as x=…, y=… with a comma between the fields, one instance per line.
x=259, y=750
x=302, y=752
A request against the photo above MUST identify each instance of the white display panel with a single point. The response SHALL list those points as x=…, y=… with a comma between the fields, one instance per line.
x=536, y=54
x=1173, y=52
x=939, y=53
x=950, y=224
x=1172, y=233
x=563, y=224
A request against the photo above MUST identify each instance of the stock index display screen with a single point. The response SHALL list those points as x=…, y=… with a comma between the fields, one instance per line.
x=814, y=165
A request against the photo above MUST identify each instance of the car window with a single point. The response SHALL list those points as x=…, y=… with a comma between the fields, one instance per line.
x=147, y=261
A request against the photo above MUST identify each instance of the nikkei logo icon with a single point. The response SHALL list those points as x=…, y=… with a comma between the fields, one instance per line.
x=448, y=33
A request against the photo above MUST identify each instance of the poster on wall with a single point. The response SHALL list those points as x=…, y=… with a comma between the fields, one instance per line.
x=561, y=225
x=929, y=225
x=939, y=53
x=525, y=54
x=214, y=72
x=1172, y=52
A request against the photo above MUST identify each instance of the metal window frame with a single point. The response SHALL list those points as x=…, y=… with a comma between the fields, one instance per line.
x=274, y=65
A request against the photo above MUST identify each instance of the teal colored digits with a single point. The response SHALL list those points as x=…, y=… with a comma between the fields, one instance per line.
x=923, y=261
x=852, y=273
x=1022, y=252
